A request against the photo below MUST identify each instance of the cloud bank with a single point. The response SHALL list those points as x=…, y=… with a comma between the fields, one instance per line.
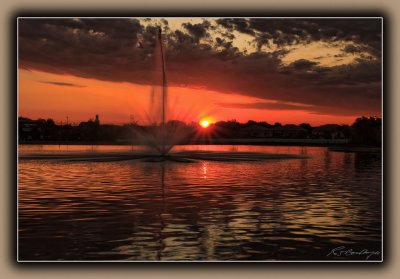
x=241, y=56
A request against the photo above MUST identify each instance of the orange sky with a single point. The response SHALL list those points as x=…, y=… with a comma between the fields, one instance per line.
x=117, y=102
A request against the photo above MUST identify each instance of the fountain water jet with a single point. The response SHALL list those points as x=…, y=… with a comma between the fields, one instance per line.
x=162, y=138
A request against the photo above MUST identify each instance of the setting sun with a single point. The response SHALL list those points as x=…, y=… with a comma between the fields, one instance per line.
x=204, y=123
x=199, y=138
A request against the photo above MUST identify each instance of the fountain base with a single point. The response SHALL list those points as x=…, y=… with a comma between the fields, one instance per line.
x=181, y=157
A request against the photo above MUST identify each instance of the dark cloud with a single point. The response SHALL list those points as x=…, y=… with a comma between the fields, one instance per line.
x=198, y=30
x=239, y=24
x=62, y=83
x=292, y=31
x=322, y=110
x=267, y=105
x=303, y=64
x=107, y=49
x=351, y=48
x=226, y=22
x=364, y=31
x=243, y=26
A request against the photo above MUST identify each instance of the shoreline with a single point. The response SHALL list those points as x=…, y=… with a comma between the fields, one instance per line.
x=284, y=142
x=333, y=145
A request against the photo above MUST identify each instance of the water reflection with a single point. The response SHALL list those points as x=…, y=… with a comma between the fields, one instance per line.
x=209, y=210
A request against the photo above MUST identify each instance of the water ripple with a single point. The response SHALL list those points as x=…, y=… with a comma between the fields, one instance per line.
x=208, y=210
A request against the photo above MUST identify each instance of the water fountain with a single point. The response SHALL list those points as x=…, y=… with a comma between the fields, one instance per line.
x=161, y=136
x=164, y=137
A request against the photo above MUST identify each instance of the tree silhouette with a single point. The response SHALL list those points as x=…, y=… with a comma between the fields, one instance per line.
x=367, y=131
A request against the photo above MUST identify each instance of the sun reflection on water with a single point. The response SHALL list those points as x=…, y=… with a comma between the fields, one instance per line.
x=278, y=209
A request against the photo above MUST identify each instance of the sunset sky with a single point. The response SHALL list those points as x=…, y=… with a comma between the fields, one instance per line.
x=291, y=70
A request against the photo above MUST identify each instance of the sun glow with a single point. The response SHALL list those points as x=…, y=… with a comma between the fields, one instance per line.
x=205, y=123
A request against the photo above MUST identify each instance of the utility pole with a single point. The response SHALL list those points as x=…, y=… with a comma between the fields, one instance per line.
x=67, y=119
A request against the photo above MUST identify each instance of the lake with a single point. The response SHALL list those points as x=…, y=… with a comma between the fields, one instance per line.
x=326, y=207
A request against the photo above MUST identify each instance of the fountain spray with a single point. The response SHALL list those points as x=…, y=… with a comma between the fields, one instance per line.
x=164, y=94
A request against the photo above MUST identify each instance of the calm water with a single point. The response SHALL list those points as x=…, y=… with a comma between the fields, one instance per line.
x=297, y=209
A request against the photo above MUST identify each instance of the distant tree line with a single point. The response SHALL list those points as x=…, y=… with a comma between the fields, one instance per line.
x=90, y=131
x=365, y=130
